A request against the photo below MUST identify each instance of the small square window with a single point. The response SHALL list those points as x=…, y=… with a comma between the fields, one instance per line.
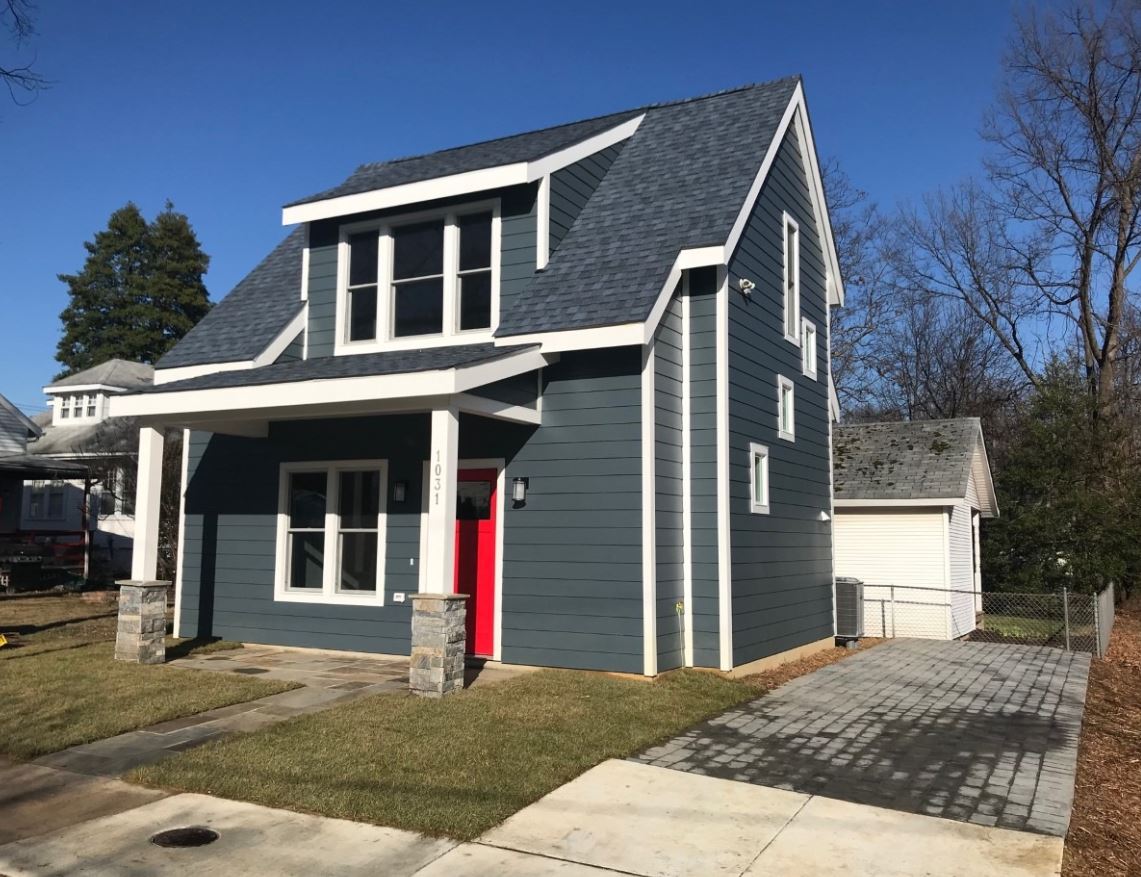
x=758, y=479
x=786, y=409
x=808, y=348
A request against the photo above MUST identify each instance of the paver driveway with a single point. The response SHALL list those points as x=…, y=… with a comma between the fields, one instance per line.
x=978, y=732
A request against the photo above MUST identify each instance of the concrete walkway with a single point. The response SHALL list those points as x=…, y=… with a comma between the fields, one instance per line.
x=978, y=732
x=619, y=818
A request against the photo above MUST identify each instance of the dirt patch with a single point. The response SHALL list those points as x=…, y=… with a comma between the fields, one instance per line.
x=1105, y=830
x=778, y=676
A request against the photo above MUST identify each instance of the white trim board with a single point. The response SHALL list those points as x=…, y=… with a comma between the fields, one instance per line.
x=453, y=185
x=649, y=517
x=724, y=546
x=374, y=389
x=893, y=503
x=181, y=543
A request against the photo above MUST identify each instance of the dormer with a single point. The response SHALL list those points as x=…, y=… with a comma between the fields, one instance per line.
x=83, y=399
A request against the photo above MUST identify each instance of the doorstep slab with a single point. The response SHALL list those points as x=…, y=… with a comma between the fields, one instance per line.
x=253, y=840
x=863, y=841
x=651, y=821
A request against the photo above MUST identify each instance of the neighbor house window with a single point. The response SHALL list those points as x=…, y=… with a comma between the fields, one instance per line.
x=758, y=479
x=432, y=277
x=791, y=280
x=808, y=348
x=786, y=409
x=55, y=495
x=64, y=407
x=331, y=532
x=91, y=401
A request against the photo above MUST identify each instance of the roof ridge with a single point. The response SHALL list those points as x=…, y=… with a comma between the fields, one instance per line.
x=644, y=108
x=910, y=422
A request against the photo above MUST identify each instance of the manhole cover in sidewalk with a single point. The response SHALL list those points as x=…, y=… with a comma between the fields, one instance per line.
x=194, y=836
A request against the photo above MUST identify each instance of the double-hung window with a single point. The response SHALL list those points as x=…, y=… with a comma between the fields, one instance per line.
x=808, y=348
x=786, y=409
x=791, y=280
x=758, y=479
x=331, y=532
x=429, y=277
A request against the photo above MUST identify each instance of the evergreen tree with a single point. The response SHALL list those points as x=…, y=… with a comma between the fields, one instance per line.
x=139, y=292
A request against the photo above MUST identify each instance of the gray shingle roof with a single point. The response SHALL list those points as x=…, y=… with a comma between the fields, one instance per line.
x=477, y=156
x=679, y=182
x=928, y=459
x=112, y=373
x=244, y=323
x=358, y=365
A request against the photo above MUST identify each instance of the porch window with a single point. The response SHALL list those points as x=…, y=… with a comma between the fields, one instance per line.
x=406, y=280
x=758, y=479
x=331, y=532
x=786, y=409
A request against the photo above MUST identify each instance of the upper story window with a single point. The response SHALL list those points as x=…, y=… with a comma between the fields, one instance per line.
x=405, y=281
x=758, y=479
x=77, y=406
x=786, y=409
x=808, y=348
x=791, y=280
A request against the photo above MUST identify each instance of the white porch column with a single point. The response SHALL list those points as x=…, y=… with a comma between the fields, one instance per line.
x=443, y=463
x=148, y=490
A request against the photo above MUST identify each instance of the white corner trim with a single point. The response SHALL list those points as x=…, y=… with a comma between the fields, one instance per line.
x=454, y=185
x=724, y=555
x=649, y=520
x=686, y=476
x=543, y=223
x=181, y=543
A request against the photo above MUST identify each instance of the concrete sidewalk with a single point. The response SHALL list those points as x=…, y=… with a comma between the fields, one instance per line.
x=619, y=818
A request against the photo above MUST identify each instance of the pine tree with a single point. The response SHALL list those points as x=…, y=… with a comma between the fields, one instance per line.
x=139, y=292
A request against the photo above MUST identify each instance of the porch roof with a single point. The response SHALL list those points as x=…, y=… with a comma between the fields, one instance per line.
x=32, y=467
x=358, y=365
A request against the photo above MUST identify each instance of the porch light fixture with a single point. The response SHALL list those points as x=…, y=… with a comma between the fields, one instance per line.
x=519, y=490
x=399, y=491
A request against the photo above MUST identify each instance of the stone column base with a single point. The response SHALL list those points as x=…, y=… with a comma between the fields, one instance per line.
x=141, y=636
x=439, y=644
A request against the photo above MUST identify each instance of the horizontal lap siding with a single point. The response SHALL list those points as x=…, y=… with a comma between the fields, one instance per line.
x=781, y=562
x=322, y=288
x=231, y=532
x=572, y=565
x=571, y=188
x=668, y=482
x=703, y=466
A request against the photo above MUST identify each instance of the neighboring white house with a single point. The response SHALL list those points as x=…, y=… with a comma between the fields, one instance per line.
x=78, y=428
x=908, y=500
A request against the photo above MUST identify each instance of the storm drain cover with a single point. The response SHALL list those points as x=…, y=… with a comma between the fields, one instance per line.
x=194, y=836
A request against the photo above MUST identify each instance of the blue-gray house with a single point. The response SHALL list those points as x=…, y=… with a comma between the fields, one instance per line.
x=581, y=374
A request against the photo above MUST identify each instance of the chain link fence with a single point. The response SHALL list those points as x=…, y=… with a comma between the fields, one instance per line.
x=1064, y=620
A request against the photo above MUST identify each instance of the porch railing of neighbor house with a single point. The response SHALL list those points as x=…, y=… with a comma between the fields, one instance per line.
x=1065, y=619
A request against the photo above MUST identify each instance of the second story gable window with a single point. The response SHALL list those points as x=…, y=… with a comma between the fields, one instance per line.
x=430, y=277
x=791, y=280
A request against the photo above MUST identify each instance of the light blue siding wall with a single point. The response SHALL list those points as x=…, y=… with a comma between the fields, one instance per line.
x=781, y=562
x=703, y=464
x=572, y=187
x=668, y=491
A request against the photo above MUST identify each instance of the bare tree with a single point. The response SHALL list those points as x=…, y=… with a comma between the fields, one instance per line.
x=859, y=229
x=20, y=79
x=1067, y=169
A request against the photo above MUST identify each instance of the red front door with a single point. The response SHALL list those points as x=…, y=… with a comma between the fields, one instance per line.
x=475, y=555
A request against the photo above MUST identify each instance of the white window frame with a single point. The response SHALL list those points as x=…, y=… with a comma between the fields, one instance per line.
x=757, y=507
x=384, y=319
x=808, y=351
x=792, y=265
x=783, y=384
x=332, y=563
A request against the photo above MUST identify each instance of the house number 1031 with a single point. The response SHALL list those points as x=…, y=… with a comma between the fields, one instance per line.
x=437, y=479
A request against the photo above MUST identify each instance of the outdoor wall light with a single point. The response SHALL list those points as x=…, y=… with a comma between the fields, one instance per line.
x=824, y=516
x=519, y=490
x=399, y=491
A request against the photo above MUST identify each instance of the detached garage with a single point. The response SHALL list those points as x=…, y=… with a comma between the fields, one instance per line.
x=908, y=500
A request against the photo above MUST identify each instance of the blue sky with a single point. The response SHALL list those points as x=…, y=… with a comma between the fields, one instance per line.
x=232, y=109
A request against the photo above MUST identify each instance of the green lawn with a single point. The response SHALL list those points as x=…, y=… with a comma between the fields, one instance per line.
x=59, y=685
x=456, y=766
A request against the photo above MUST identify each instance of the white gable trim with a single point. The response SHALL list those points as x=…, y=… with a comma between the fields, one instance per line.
x=984, y=483
x=465, y=183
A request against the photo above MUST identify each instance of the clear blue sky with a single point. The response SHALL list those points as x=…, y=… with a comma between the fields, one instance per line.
x=231, y=109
